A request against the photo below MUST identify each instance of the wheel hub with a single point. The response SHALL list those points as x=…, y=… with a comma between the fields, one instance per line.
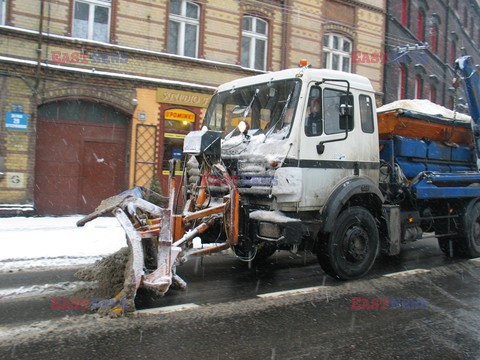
x=356, y=244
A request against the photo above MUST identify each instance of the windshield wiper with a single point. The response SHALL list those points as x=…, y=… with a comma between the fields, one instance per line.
x=282, y=115
x=245, y=113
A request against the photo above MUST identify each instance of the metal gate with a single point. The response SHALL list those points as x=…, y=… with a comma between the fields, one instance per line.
x=145, y=154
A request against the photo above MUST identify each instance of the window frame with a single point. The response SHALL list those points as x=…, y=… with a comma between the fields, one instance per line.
x=404, y=14
x=3, y=18
x=433, y=93
x=370, y=122
x=421, y=24
x=324, y=109
x=92, y=4
x=254, y=36
x=329, y=51
x=418, y=87
x=183, y=20
x=434, y=39
x=306, y=125
x=402, y=83
x=453, y=52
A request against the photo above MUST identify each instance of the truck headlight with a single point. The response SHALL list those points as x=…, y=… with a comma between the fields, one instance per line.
x=270, y=230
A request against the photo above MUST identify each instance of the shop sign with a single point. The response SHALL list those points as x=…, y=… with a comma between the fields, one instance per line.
x=179, y=115
x=186, y=98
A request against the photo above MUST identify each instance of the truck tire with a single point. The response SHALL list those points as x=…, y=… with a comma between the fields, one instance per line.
x=469, y=244
x=350, y=250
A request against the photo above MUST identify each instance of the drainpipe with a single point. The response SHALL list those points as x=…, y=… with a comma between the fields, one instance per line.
x=386, y=65
x=286, y=4
x=445, y=56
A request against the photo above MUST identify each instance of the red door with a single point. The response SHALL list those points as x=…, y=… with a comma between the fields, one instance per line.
x=80, y=156
x=102, y=174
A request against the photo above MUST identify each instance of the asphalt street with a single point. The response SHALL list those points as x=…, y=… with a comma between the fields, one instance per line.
x=228, y=319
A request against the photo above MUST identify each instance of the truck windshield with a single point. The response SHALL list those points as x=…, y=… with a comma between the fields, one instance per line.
x=269, y=107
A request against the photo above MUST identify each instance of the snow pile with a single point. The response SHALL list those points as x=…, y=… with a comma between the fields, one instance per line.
x=257, y=147
x=424, y=107
x=27, y=242
x=109, y=273
x=35, y=290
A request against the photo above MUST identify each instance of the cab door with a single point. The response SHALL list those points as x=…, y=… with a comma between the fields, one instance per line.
x=328, y=153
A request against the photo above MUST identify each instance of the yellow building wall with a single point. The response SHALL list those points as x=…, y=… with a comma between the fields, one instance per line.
x=147, y=104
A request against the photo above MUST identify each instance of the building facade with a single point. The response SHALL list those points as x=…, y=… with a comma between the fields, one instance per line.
x=97, y=95
x=443, y=31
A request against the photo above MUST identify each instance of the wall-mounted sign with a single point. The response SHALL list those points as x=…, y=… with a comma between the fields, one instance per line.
x=177, y=154
x=142, y=116
x=15, y=180
x=16, y=121
x=187, y=98
x=17, y=108
x=179, y=115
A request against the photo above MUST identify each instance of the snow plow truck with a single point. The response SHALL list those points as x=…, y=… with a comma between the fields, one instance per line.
x=301, y=159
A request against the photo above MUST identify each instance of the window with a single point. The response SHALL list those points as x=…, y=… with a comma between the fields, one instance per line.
x=3, y=9
x=91, y=20
x=404, y=12
x=183, y=28
x=269, y=106
x=313, y=119
x=337, y=52
x=421, y=25
x=433, y=93
x=402, y=83
x=418, y=87
x=366, y=113
x=435, y=39
x=254, y=43
x=453, y=52
x=331, y=110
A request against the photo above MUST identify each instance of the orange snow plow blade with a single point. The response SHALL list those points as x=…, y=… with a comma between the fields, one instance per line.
x=154, y=253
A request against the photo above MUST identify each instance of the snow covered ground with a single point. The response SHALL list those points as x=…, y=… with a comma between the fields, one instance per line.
x=39, y=242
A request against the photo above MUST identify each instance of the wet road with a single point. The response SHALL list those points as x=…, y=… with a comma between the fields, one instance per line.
x=232, y=322
x=213, y=280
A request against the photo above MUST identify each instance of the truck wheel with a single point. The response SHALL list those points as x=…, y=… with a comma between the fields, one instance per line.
x=469, y=244
x=349, y=251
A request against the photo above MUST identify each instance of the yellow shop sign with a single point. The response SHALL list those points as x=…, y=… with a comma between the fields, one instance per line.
x=179, y=115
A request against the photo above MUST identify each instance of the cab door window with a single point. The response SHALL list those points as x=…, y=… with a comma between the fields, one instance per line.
x=313, y=116
x=332, y=101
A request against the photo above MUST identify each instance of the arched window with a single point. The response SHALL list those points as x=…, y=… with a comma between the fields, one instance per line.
x=254, y=42
x=337, y=52
x=402, y=83
x=183, y=27
x=418, y=87
x=421, y=25
x=434, y=39
x=453, y=52
x=433, y=93
x=404, y=12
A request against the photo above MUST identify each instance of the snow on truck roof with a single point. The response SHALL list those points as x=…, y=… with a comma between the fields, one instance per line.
x=424, y=107
x=356, y=81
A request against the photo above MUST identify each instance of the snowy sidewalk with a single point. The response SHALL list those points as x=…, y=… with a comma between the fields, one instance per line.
x=46, y=242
